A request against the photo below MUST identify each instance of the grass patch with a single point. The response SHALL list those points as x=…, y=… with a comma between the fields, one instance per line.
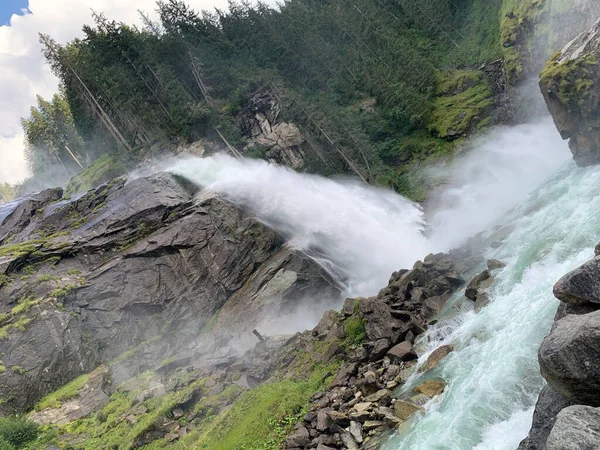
x=354, y=327
x=67, y=392
x=260, y=419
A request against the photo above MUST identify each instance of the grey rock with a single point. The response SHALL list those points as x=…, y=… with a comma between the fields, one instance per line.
x=549, y=404
x=582, y=285
x=576, y=428
x=475, y=284
x=570, y=358
x=494, y=264
x=299, y=438
x=403, y=352
x=349, y=441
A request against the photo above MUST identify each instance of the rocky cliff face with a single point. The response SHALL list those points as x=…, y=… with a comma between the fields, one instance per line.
x=570, y=83
x=281, y=142
x=130, y=274
x=567, y=409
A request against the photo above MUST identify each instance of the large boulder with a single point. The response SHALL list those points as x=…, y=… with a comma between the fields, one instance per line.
x=582, y=285
x=549, y=404
x=576, y=428
x=570, y=358
x=570, y=84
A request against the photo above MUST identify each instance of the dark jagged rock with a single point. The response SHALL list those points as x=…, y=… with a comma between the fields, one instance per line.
x=476, y=284
x=549, y=404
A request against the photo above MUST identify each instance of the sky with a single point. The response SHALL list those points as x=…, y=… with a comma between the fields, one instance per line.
x=23, y=73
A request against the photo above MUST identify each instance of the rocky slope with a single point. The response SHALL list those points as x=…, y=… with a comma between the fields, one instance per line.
x=330, y=387
x=128, y=315
x=569, y=83
x=141, y=265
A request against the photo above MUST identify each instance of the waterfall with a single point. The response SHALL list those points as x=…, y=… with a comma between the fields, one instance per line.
x=520, y=176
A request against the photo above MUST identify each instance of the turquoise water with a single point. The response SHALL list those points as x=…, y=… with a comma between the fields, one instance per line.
x=493, y=377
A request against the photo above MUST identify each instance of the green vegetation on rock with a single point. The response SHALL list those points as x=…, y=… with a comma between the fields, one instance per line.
x=16, y=432
x=354, y=327
x=67, y=392
x=102, y=170
x=572, y=80
x=463, y=98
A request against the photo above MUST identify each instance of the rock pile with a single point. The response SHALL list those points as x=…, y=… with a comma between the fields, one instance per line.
x=361, y=405
x=566, y=414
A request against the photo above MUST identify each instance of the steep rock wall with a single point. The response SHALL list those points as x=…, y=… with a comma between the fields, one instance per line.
x=141, y=265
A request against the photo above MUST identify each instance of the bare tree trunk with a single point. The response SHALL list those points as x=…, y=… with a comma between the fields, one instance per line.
x=232, y=149
x=73, y=156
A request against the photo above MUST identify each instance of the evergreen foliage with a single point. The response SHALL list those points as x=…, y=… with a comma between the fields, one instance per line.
x=126, y=89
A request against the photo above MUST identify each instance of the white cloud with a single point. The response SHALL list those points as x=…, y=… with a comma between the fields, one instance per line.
x=24, y=74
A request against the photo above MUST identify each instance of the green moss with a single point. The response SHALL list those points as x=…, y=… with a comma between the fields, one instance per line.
x=63, y=291
x=210, y=323
x=518, y=19
x=354, y=327
x=21, y=325
x=572, y=80
x=44, y=278
x=24, y=305
x=22, y=249
x=103, y=169
x=67, y=392
x=18, y=370
x=4, y=280
x=463, y=100
x=74, y=272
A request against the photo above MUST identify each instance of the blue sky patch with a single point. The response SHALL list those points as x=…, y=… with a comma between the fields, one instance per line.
x=10, y=7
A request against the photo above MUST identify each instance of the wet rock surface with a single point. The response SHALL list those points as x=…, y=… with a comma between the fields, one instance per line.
x=565, y=416
x=142, y=264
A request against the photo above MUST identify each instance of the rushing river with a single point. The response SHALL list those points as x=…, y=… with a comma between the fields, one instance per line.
x=522, y=177
x=493, y=377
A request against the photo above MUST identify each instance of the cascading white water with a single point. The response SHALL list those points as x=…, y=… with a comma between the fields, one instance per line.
x=493, y=376
x=366, y=233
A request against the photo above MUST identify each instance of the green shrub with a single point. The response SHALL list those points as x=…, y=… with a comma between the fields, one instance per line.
x=16, y=432
x=5, y=444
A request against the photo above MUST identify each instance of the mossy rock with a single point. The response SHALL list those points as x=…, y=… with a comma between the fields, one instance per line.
x=100, y=171
x=464, y=100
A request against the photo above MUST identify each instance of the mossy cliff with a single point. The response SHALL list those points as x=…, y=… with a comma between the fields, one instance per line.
x=570, y=84
x=532, y=30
